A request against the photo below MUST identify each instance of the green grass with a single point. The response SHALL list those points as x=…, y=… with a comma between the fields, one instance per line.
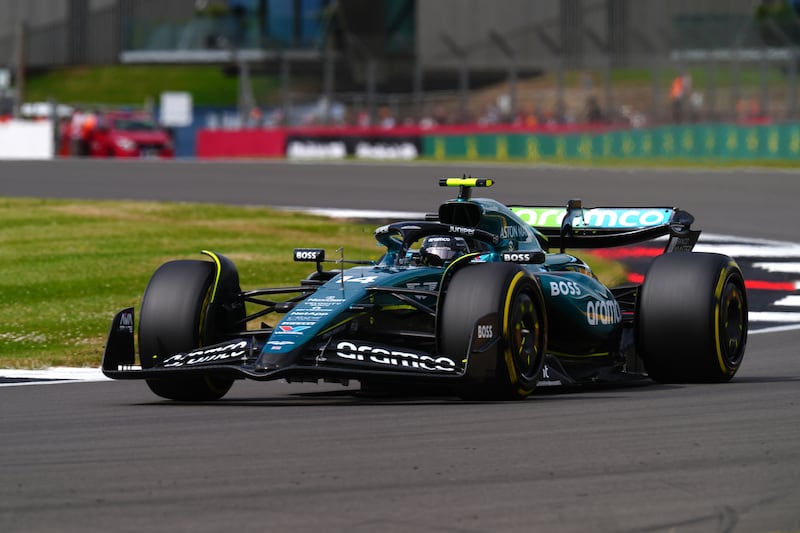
x=134, y=84
x=747, y=77
x=68, y=266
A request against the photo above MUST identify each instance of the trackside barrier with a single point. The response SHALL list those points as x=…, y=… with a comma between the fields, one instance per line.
x=311, y=143
x=26, y=139
x=240, y=143
x=778, y=142
x=339, y=142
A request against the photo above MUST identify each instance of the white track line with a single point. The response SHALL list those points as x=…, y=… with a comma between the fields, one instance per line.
x=775, y=329
x=768, y=316
x=789, y=301
x=780, y=268
x=60, y=374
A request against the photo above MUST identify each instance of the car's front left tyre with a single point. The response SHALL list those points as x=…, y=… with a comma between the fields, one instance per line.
x=500, y=295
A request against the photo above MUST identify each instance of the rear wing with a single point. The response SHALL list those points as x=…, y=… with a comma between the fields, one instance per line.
x=601, y=227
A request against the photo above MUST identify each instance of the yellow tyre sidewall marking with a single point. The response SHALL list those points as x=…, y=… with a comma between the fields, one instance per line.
x=507, y=355
x=723, y=365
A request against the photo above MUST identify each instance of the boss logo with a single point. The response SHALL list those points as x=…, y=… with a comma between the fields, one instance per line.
x=517, y=257
x=522, y=257
x=309, y=254
x=568, y=288
x=485, y=331
x=510, y=257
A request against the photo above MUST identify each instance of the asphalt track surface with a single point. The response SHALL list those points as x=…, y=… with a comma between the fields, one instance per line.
x=110, y=456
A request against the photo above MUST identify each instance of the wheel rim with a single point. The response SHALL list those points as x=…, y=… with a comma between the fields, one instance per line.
x=525, y=334
x=733, y=322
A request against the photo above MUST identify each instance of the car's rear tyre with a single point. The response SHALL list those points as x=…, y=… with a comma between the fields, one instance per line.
x=514, y=297
x=692, y=318
x=172, y=321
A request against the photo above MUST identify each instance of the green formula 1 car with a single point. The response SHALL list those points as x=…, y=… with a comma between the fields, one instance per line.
x=479, y=299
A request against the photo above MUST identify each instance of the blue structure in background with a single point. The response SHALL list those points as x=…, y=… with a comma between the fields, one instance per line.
x=185, y=138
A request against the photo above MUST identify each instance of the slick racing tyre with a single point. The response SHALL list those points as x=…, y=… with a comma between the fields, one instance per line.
x=491, y=300
x=172, y=317
x=692, y=318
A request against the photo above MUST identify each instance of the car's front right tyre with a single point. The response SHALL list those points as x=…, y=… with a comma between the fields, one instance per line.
x=172, y=320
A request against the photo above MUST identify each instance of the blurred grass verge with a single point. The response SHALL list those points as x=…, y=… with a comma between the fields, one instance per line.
x=70, y=265
x=133, y=85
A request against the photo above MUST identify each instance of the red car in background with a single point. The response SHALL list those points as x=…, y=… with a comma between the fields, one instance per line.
x=129, y=134
x=113, y=134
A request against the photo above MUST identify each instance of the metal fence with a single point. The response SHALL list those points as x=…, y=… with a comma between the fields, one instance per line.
x=621, y=62
x=614, y=62
x=744, y=85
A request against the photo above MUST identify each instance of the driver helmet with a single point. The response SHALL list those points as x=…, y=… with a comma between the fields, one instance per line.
x=436, y=250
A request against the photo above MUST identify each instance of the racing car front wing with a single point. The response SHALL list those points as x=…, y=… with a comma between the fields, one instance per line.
x=240, y=358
